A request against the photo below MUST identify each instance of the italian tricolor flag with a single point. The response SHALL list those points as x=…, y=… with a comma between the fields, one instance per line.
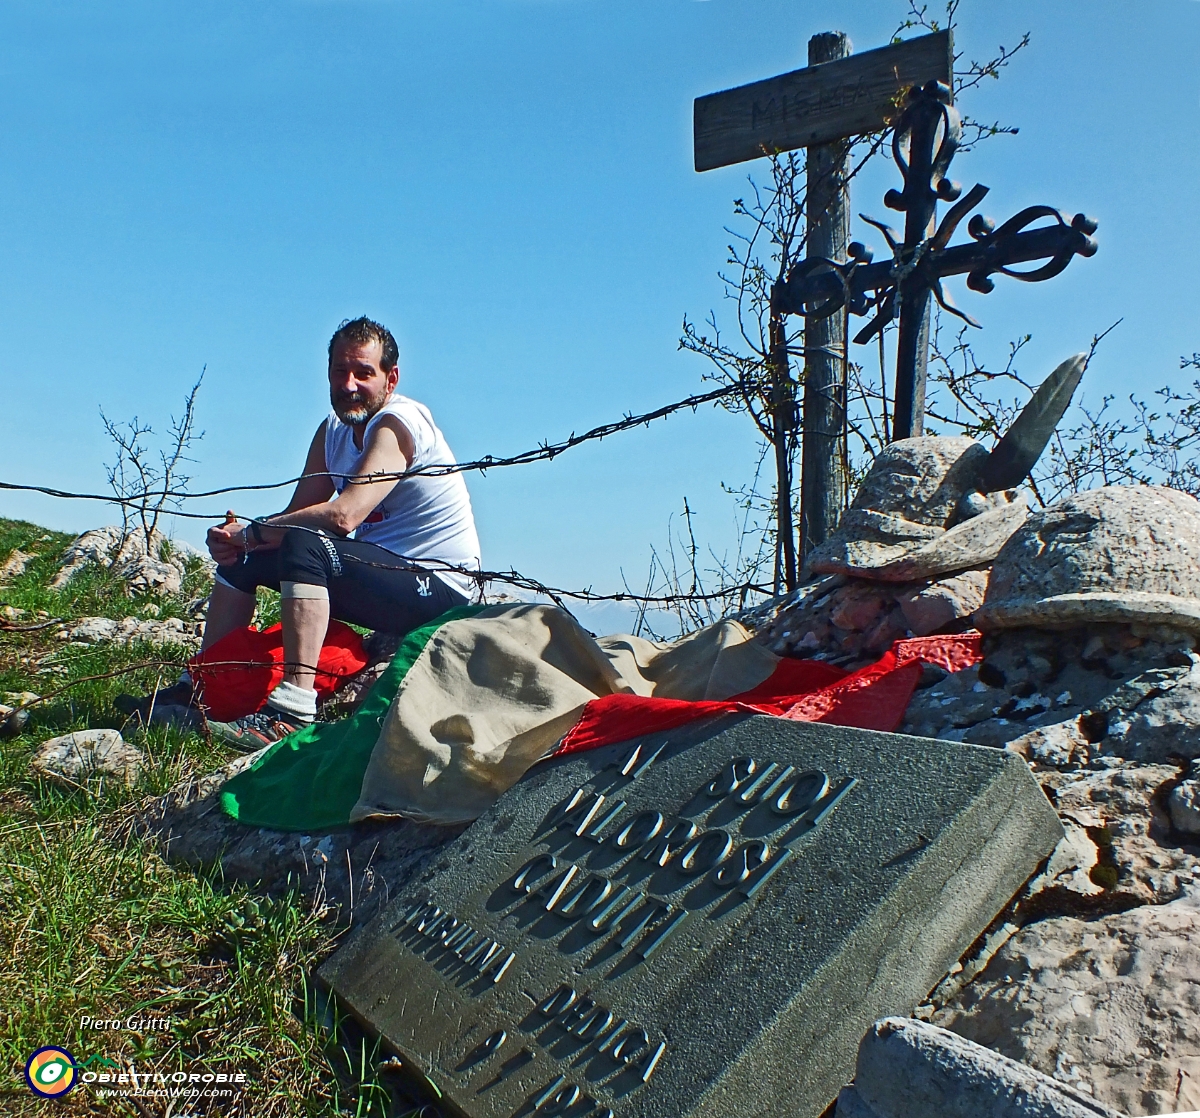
x=478, y=696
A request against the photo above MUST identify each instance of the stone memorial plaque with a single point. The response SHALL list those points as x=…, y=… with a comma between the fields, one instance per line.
x=696, y=923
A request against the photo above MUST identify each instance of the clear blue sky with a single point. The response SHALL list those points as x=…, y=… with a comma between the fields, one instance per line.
x=509, y=185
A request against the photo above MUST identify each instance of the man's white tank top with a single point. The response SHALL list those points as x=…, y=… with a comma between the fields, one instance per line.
x=426, y=518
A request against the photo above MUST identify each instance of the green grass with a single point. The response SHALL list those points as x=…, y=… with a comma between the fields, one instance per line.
x=93, y=922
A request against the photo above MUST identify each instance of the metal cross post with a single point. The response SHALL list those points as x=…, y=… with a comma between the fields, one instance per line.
x=930, y=127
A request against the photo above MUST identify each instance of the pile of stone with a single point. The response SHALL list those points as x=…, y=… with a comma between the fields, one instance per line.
x=909, y=559
x=154, y=566
x=130, y=630
x=1092, y=621
x=1090, y=614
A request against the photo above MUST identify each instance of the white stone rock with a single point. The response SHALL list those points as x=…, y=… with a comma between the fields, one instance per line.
x=93, y=547
x=1110, y=1005
x=1184, y=805
x=72, y=758
x=144, y=569
x=1071, y=863
x=169, y=630
x=147, y=575
x=94, y=629
x=909, y=1069
x=14, y=565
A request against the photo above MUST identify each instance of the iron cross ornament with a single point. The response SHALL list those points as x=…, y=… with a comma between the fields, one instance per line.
x=924, y=142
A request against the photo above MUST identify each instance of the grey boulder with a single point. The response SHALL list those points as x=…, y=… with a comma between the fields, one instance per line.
x=72, y=758
x=901, y=526
x=909, y=1069
x=1119, y=554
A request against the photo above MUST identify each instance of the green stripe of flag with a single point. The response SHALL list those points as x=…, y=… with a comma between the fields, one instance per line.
x=310, y=780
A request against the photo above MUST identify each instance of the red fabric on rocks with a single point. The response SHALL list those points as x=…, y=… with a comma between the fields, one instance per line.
x=873, y=698
x=954, y=653
x=241, y=669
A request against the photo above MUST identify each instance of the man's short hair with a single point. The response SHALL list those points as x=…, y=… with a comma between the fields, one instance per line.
x=361, y=331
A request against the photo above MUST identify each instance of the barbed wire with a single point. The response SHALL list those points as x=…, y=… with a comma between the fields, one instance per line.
x=514, y=578
x=544, y=452
x=525, y=582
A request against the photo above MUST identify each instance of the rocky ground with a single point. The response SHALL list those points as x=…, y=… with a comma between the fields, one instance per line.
x=1091, y=975
x=94, y=922
x=356, y=869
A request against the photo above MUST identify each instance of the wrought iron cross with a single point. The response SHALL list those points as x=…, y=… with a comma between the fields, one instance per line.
x=902, y=286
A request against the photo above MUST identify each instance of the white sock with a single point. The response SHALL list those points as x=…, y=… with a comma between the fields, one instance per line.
x=299, y=702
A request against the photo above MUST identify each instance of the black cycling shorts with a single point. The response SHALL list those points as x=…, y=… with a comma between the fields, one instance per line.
x=366, y=584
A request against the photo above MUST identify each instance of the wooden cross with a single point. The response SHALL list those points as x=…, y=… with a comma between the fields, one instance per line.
x=837, y=96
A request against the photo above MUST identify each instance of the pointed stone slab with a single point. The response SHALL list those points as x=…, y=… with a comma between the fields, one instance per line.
x=1022, y=444
x=701, y=923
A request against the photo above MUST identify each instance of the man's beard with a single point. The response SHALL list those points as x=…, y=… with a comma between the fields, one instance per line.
x=355, y=408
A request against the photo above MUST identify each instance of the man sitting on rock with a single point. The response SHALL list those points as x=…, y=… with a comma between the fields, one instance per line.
x=413, y=546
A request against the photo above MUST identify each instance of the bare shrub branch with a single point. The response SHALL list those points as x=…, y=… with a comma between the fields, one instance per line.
x=968, y=75
x=141, y=485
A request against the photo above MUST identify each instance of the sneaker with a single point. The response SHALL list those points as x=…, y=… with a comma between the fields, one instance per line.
x=252, y=731
x=177, y=695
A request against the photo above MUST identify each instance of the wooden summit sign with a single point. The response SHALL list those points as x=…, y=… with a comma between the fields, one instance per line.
x=816, y=105
x=700, y=924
